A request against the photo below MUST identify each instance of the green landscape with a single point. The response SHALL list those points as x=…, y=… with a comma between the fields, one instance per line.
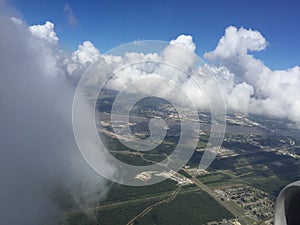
x=254, y=160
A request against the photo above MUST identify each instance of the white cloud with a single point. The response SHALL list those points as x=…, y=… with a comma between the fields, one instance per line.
x=180, y=52
x=85, y=55
x=274, y=92
x=238, y=42
x=45, y=32
x=184, y=41
x=248, y=85
x=238, y=100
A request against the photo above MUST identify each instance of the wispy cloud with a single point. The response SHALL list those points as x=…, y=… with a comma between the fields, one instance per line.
x=70, y=15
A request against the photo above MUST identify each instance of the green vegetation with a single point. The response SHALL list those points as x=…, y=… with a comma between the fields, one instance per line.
x=123, y=192
x=214, y=178
x=109, y=215
x=201, y=144
x=192, y=207
x=155, y=158
x=267, y=171
x=253, y=160
x=271, y=185
x=131, y=159
x=188, y=208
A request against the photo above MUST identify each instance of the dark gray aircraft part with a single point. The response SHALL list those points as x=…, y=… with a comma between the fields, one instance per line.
x=287, y=208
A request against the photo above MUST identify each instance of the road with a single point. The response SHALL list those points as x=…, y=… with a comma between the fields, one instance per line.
x=233, y=210
x=149, y=208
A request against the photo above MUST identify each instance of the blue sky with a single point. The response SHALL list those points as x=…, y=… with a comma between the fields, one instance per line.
x=110, y=23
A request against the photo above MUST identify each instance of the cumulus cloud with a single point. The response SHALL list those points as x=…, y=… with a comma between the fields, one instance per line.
x=85, y=54
x=264, y=91
x=238, y=42
x=180, y=52
x=184, y=41
x=45, y=32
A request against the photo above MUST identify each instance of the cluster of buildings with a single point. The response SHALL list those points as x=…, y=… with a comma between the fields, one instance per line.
x=196, y=171
x=226, y=153
x=257, y=204
x=172, y=175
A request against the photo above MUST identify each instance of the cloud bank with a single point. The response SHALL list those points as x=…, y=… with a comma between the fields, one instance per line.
x=248, y=85
x=39, y=160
